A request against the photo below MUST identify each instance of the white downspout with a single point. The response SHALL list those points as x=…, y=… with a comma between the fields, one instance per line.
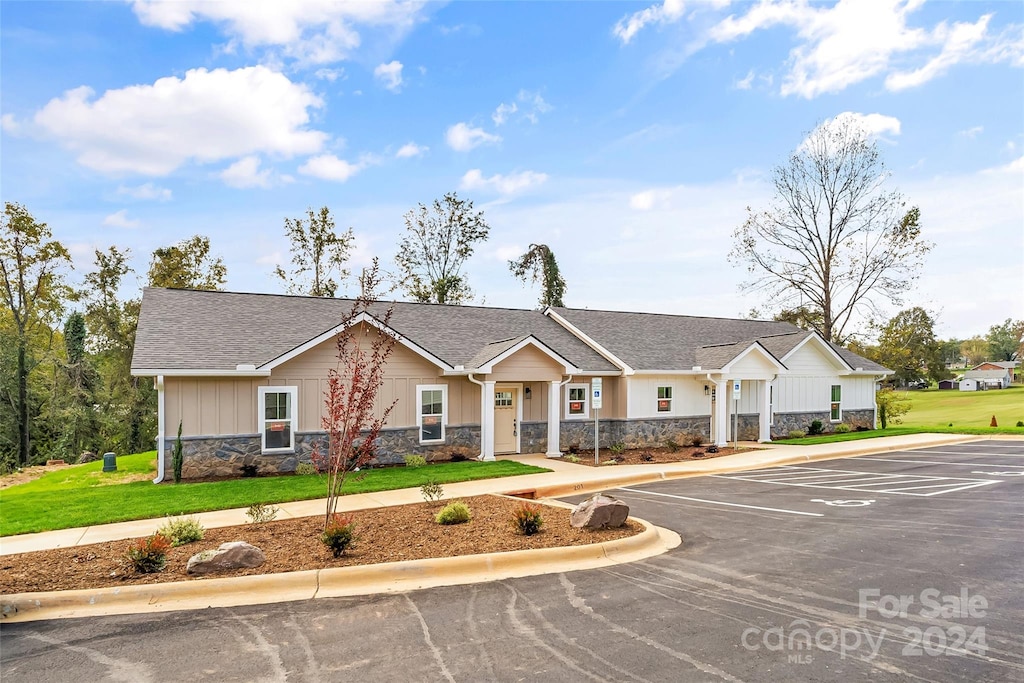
x=484, y=431
x=161, y=429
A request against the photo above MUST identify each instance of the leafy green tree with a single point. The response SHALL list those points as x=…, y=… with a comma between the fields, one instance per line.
x=438, y=242
x=834, y=239
x=907, y=345
x=949, y=349
x=187, y=265
x=538, y=263
x=1004, y=341
x=892, y=406
x=78, y=415
x=974, y=350
x=319, y=254
x=32, y=271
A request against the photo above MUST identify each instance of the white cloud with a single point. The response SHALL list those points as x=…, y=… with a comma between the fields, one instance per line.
x=246, y=173
x=971, y=133
x=838, y=45
x=311, y=31
x=516, y=182
x=746, y=82
x=330, y=75
x=206, y=116
x=875, y=125
x=330, y=167
x=501, y=114
x=410, y=149
x=119, y=219
x=146, y=191
x=390, y=75
x=462, y=138
x=646, y=200
x=507, y=252
x=10, y=125
x=667, y=12
x=533, y=105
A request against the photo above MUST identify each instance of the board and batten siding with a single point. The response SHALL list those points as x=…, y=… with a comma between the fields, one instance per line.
x=808, y=385
x=527, y=364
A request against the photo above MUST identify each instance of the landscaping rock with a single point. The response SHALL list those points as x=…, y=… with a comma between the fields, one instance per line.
x=87, y=456
x=233, y=555
x=600, y=511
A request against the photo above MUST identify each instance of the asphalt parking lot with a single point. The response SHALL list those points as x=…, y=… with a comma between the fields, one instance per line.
x=901, y=566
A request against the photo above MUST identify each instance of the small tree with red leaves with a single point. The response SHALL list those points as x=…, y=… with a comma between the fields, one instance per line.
x=351, y=419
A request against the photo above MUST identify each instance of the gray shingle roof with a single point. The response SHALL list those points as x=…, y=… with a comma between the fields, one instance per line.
x=192, y=330
x=187, y=329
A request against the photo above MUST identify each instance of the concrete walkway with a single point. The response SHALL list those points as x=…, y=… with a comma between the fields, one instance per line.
x=565, y=479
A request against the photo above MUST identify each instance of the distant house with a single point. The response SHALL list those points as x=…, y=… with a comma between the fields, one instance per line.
x=949, y=384
x=996, y=378
x=971, y=384
x=1007, y=366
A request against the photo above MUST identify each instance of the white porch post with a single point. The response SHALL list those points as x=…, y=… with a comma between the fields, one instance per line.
x=487, y=421
x=765, y=431
x=554, y=420
x=721, y=413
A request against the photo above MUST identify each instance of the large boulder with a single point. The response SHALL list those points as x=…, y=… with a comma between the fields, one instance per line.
x=233, y=555
x=600, y=511
x=87, y=456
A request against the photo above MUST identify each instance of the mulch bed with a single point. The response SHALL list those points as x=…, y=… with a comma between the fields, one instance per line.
x=406, y=532
x=649, y=456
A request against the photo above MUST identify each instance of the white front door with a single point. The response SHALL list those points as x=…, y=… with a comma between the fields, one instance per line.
x=506, y=419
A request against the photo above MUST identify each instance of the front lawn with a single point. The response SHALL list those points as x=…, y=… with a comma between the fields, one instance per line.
x=73, y=497
x=944, y=408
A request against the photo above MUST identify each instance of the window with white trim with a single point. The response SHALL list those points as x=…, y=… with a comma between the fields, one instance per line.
x=278, y=414
x=432, y=412
x=664, y=399
x=577, y=403
x=835, y=408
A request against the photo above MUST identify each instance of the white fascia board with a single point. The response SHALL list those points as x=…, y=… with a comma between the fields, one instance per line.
x=688, y=373
x=333, y=332
x=198, y=372
x=583, y=337
x=756, y=346
x=823, y=345
x=568, y=367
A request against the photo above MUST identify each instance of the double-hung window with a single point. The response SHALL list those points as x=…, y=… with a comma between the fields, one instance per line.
x=835, y=408
x=278, y=414
x=578, y=401
x=432, y=407
x=664, y=399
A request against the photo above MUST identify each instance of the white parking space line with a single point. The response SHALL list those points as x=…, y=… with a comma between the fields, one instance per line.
x=938, y=462
x=719, y=502
x=973, y=453
x=895, y=483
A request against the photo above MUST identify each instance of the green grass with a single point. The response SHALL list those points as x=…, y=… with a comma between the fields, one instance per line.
x=932, y=411
x=72, y=497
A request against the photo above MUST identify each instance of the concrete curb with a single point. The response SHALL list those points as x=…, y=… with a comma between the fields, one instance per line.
x=392, y=577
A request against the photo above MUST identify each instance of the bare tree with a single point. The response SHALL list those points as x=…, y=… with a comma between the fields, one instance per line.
x=834, y=240
x=538, y=263
x=438, y=241
x=318, y=254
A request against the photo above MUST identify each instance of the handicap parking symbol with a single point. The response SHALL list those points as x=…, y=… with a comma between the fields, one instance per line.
x=844, y=503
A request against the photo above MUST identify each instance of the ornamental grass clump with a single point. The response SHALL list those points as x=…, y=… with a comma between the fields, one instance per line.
x=339, y=534
x=182, y=530
x=453, y=513
x=527, y=519
x=148, y=555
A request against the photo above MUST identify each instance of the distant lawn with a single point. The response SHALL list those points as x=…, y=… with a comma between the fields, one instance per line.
x=74, y=497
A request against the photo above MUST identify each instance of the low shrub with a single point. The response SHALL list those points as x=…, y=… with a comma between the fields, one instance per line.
x=993, y=423
x=671, y=444
x=862, y=428
x=699, y=454
x=453, y=513
x=305, y=468
x=842, y=428
x=797, y=434
x=1020, y=423
x=182, y=530
x=712, y=448
x=415, y=461
x=249, y=471
x=572, y=458
x=432, y=491
x=573, y=449
x=617, y=448
x=527, y=519
x=697, y=440
x=258, y=513
x=815, y=428
x=339, y=534
x=457, y=454
x=148, y=555
x=646, y=457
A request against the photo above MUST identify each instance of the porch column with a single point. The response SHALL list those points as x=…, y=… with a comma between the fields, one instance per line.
x=554, y=419
x=487, y=421
x=765, y=432
x=721, y=413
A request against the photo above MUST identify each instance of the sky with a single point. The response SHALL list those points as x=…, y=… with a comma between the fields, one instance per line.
x=629, y=137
